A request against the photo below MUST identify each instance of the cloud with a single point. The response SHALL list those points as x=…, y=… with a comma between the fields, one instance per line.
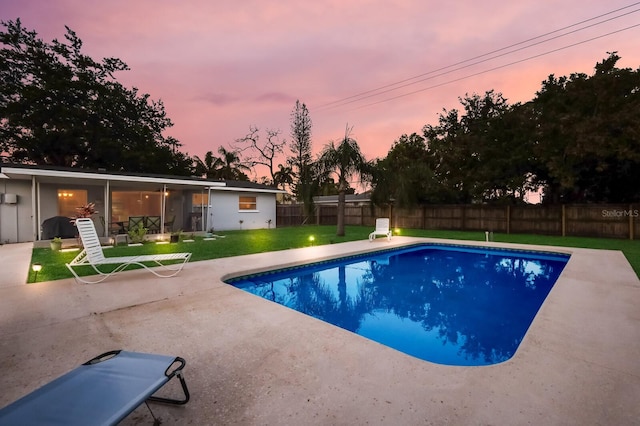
x=276, y=97
x=218, y=99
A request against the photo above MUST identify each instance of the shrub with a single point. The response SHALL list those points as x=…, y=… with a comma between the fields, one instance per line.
x=138, y=233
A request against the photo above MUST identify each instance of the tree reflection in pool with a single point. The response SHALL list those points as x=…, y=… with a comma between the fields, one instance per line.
x=450, y=305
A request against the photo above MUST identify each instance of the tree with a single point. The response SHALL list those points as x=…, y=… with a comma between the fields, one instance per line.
x=508, y=163
x=500, y=147
x=262, y=153
x=588, y=143
x=283, y=178
x=228, y=166
x=231, y=166
x=177, y=163
x=405, y=176
x=450, y=156
x=483, y=154
x=301, y=158
x=61, y=107
x=207, y=167
x=344, y=161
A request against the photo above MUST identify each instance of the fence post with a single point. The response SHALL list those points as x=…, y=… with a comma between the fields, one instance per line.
x=508, y=219
x=463, y=224
x=631, y=224
x=564, y=222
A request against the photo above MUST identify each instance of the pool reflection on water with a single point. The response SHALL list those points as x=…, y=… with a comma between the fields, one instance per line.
x=445, y=304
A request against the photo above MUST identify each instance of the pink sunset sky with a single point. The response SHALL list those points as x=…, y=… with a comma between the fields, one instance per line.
x=221, y=66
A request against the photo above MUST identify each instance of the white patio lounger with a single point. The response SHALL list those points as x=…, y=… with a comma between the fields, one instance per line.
x=93, y=256
x=382, y=228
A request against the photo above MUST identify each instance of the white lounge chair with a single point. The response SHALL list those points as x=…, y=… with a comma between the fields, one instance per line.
x=93, y=256
x=382, y=228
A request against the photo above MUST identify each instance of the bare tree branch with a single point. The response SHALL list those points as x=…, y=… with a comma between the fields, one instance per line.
x=261, y=153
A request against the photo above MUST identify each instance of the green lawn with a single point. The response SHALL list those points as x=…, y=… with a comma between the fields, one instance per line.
x=237, y=243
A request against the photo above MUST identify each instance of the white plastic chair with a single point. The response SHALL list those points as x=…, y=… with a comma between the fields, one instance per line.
x=93, y=256
x=382, y=228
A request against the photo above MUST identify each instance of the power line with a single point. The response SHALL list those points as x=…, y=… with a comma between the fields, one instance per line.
x=473, y=64
x=410, y=81
x=481, y=56
x=498, y=67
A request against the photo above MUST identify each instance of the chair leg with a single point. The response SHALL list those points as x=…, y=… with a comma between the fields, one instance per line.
x=183, y=401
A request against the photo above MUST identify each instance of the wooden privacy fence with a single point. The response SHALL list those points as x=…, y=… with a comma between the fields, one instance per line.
x=584, y=220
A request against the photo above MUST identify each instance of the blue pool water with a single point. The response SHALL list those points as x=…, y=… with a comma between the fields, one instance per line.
x=450, y=305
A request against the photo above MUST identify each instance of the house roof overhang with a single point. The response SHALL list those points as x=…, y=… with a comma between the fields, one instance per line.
x=349, y=199
x=64, y=176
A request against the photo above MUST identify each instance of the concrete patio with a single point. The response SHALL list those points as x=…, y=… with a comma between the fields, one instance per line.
x=252, y=362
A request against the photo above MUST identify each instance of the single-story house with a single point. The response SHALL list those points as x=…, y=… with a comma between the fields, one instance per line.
x=29, y=195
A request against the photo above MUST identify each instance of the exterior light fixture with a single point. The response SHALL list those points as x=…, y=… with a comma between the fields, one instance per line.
x=311, y=239
x=36, y=267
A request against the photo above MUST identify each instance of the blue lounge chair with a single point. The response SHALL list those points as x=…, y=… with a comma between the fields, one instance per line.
x=102, y=391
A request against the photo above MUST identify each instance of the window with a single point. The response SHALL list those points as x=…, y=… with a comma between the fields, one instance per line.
x=134, y=203
x=248, y=203
x=69, y=200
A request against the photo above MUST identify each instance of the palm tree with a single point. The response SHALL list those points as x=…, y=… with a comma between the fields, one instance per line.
x=283, y=177
x=230, y=167
x=345, y=161
x=207, y=167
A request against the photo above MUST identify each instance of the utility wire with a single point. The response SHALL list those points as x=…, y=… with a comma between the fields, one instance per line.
x=390, y=87
x=487, y=54
x=498, y=67
x=471, y=64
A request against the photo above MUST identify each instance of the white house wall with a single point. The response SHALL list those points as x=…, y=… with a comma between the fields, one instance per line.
x=16, y=219
x=226, y=215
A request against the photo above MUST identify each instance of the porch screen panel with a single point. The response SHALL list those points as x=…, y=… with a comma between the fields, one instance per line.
x=199, y=200
x=69, y=200
x=135, y=203
x=199, y=204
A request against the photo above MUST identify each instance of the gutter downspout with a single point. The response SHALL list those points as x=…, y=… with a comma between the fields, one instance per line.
x=202, y=209
x=163, y=207
x=107, y=209
x=209, y=212
x=35, y=208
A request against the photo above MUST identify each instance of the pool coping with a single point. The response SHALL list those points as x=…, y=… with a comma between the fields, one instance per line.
x=229, y=278
x=252, y=281
x=250, y=361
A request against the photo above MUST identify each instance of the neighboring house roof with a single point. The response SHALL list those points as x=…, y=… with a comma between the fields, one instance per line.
x=349, y=198
x=26, y=171
x=246, y=185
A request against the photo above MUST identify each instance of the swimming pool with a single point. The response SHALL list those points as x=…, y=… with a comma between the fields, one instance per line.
x=453, y=305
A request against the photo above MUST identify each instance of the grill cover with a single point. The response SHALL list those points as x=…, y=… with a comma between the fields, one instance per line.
x=58, y=226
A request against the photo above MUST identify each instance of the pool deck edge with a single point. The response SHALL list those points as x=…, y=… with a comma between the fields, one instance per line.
x=253, y=362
